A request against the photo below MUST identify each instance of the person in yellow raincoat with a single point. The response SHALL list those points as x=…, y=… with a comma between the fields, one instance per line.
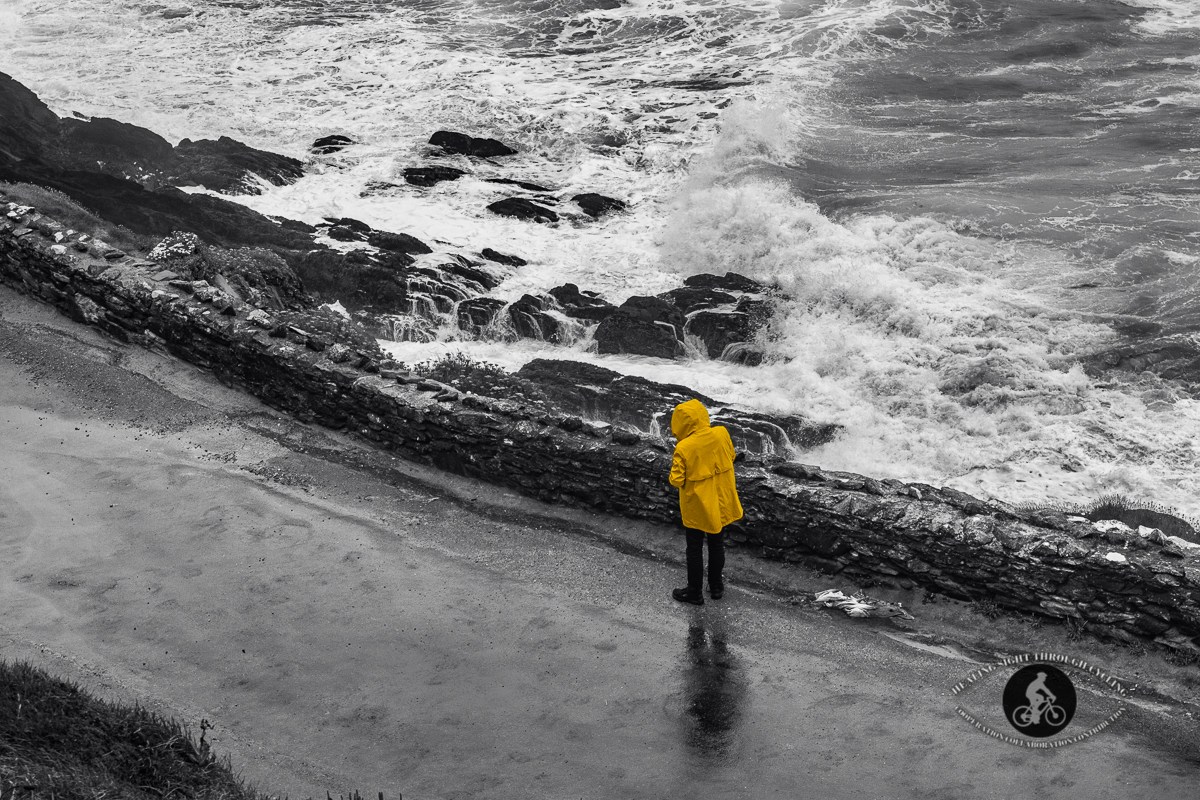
x=703, y=471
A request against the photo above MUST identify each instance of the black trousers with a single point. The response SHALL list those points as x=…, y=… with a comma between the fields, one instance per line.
x=696, y=540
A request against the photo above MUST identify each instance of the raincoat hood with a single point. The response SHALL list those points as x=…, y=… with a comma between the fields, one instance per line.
x=688, y=418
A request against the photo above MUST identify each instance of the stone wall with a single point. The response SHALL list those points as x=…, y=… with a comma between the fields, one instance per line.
x=941, y=539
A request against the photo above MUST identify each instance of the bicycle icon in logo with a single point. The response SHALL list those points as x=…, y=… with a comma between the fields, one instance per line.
x=1039, y=700
x=1041, y=707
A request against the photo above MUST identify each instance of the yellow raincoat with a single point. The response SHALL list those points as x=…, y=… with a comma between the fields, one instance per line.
x=703, y=470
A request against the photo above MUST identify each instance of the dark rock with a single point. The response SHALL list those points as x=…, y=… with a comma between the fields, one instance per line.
x=720, y=329
x=158, y=213
x=359, y=279
x=356, y=225
x=653, y=309
x=429, y=176
x=646, y=326
x=1174, y=357
x=797, y=471
x=625, y=436
x=581, y=305
x=599, y=393
x=331, y=144
x=462, y=144
x=398, y=243
x=705, y=84
x=473, y=272
x=730, y=282
x=624, y=334
x=225, y=165
x=596, y=205
x=531, y=187
x=33, y=135
x=254, y=275
x=758, y=309
x=690, y=298
x=117, y=145
x=521, y=208
x=478, y=313
x=571, y=424
x=375, y=188
x=774, y=433
x=741, y=353
x=295, y=225
x=530, y=320
x=26, y=123
x=501, y=258
x=342, y=233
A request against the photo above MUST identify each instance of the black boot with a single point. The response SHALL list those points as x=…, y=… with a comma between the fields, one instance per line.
x=716, y=590
x=688, y=595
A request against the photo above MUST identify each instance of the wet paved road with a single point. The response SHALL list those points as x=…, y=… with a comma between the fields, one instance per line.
x=343, y=633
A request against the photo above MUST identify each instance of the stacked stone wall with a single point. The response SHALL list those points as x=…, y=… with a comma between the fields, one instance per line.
x=941, y=539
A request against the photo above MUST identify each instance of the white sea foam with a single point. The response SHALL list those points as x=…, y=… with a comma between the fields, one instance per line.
x=1167, y=17
x=889, y=317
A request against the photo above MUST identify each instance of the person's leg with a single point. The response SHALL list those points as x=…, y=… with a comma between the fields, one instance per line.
x=716, y=563
x=694, y=593
x=695, y=560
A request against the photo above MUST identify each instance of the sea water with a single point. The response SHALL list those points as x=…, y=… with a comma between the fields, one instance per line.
x=942, y=188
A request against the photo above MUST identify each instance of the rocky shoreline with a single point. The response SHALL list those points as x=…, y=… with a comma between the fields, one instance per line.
x=131, y=176
x=241, y=294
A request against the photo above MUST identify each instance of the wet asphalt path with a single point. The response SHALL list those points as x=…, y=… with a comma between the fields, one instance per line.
x=346, y=629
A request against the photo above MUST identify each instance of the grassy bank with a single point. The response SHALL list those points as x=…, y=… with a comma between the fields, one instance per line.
x=58, y=741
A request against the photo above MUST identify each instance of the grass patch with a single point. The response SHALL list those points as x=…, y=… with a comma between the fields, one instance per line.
x=1141, y=512
x=66, y=211
x=1132, y=511
x=57, y=741
x=479, y=377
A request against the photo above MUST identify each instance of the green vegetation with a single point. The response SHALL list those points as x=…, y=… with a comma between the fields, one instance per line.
x=66, y=211
x=480, y=377
x=1140, y=512
x=57, y=741
x=1131, y=511
x=332, y=327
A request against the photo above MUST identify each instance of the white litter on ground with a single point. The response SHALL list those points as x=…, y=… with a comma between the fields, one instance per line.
x=860, y=605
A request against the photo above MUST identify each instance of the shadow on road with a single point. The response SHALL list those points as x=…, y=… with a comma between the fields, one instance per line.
x=715, y=693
